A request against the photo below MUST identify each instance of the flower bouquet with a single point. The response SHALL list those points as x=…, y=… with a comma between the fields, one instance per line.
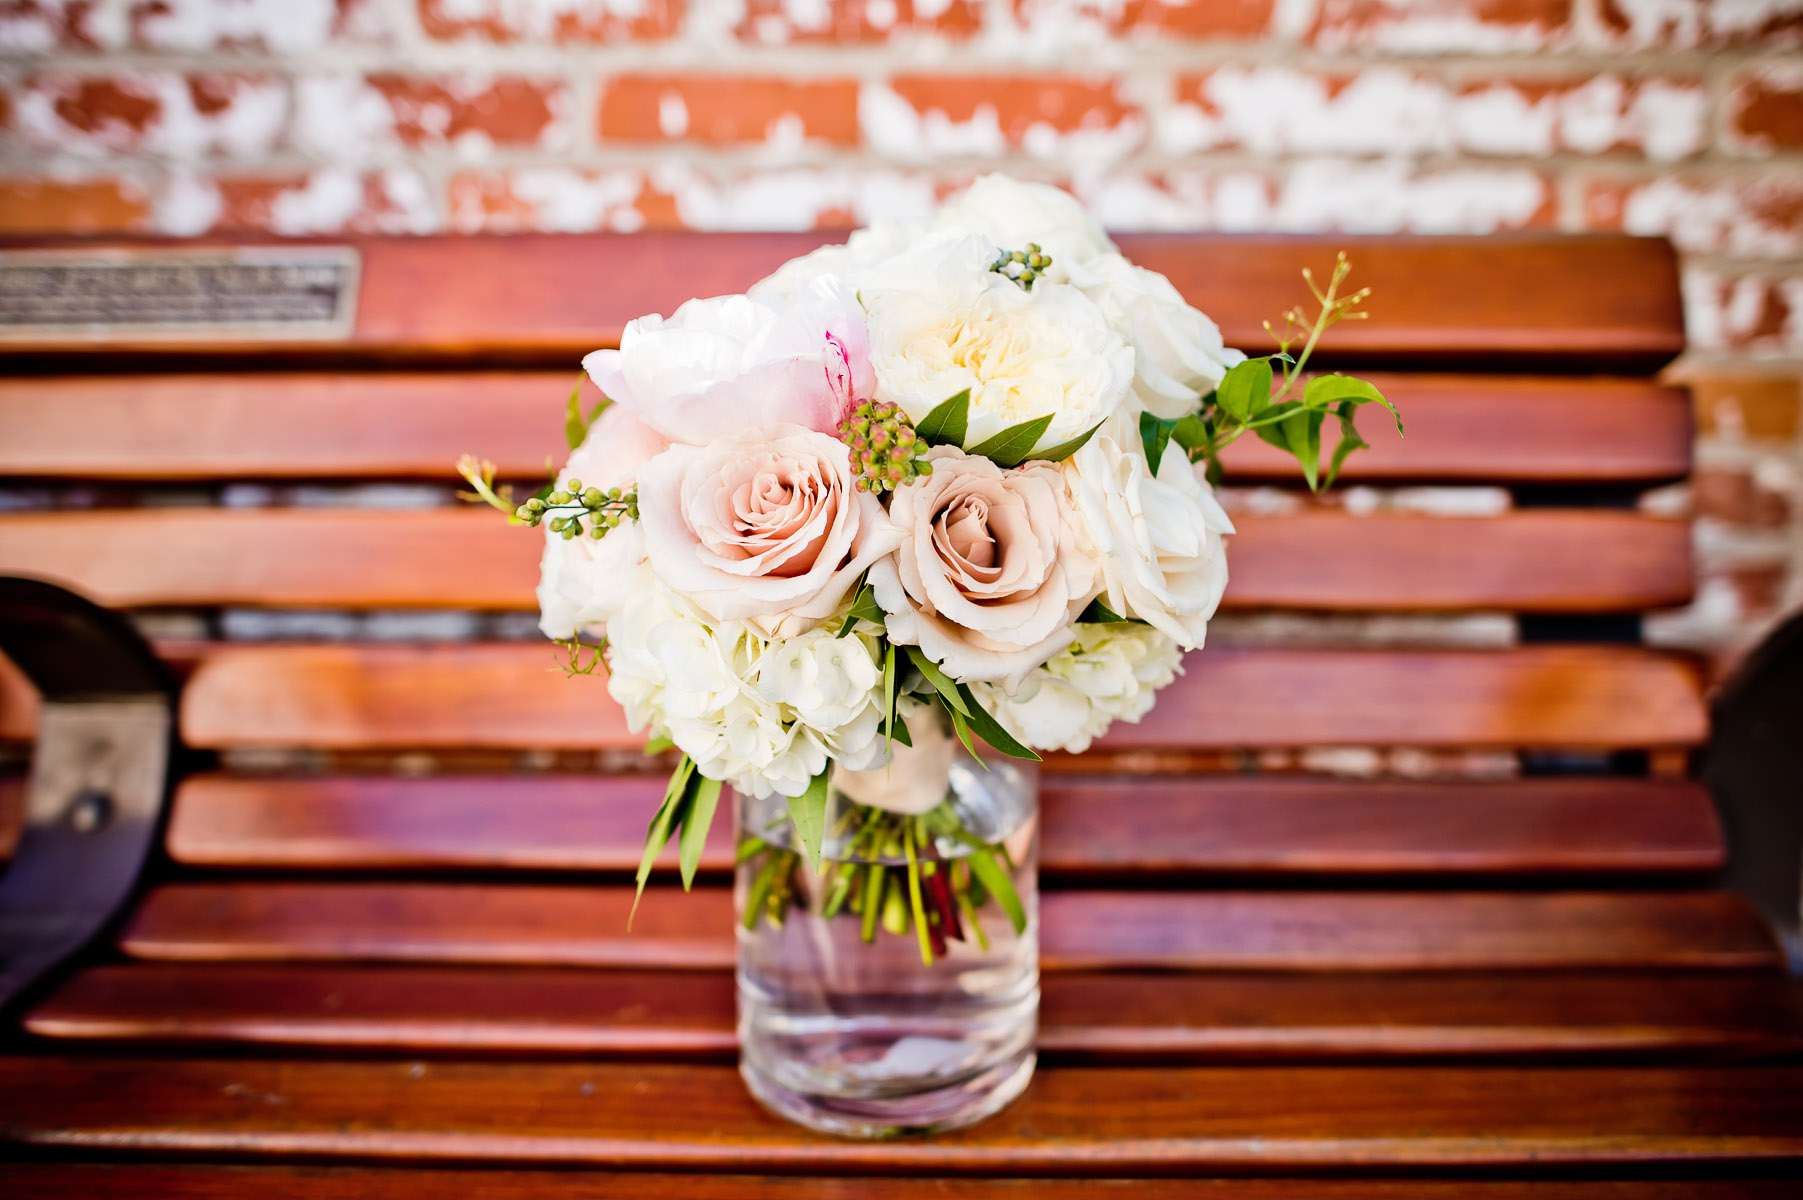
x=862, y=543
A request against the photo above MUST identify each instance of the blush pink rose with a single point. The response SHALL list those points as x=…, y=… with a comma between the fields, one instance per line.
x=764, y=527
x=989, y=577
x=731, y=363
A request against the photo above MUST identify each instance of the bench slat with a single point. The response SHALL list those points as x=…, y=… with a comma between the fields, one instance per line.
x=1304, y=931
x=1602, y=301
x=1127, y=1120
x=372, y=697
x=414, y=425
x=1274, y=826
x=1106, y=1017
x=194, y=1181
x=1540, y=561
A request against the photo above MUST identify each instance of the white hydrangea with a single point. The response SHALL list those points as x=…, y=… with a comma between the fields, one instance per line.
x=763, y=714
x=1110, y=673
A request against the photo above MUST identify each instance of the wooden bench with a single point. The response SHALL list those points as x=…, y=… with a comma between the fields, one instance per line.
x=381, y=940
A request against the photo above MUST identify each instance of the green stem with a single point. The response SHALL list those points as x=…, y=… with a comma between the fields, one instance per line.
x=873, y=900
x=914, y=899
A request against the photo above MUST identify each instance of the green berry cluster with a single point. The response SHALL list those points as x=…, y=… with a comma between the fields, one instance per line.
x=604, y=510
x=885, y=451
x=1022, y=266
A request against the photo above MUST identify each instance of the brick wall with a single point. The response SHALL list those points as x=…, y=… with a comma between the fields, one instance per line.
x=1681, y=117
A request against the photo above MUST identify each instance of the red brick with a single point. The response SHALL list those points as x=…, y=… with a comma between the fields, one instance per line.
x=328, y=201
x=1735, y=496
x=559, y=200
x=1765, y=111
x=28, y=26
x=37, y=206
x=726, y=109
x=772, y=22
x=1750, y=311
x=1752, y=214
x=151, y=112
x=235, y=24
x=1699, y=24
x=1427, y=26
x=1176, y=18
x=509, y=111
x=1762, y=407
x=549, y=21
x=1328, y=196
x=936, y=116
x=1391, y=110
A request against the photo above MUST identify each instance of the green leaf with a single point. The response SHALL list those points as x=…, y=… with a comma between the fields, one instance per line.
x=657, y=835
x=1245, y=390
x=1323, y=391
x=575, y=425
x=807, y=812
x=994, y=878
x=1193, y=433
x=961, y=727
x=944, y=426
x=898, y=728
x=658, y=745
x=1302, y=431
x=889, y=694
x=863, y=608
x=1099, y=614
x=1011, y=446
x=1155, y=435
x=1273, y=434
x=1064, y=450
x=704, y=797
x=991, y=731
x=941, y=682
x=1349, y=441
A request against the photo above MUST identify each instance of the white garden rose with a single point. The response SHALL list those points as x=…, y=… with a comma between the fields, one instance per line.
x=990, y=574
x=942, y=322
x=761, y=525
x=1110, y=672
x=581, y=581
x=915, y=778
x=1160, y=538
x=847, y=263
x=1178, y=355
x=730, y=699
x=1010, y=213
x=732, y=363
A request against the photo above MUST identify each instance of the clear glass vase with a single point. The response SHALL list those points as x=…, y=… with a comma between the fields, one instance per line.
x=896, y=991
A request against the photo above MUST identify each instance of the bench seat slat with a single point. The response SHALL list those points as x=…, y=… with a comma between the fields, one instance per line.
x=1180, y=827
x=1304, y=931
x=414, y=425
x=1539, y=561
x=1094, y=1119
x=1602, y=301
x=194, y=1181
x=353, y=697
x=1101, y=1017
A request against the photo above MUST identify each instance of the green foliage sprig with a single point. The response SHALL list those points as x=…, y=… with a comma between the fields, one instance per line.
x=1022, y=266
x=1245, y=402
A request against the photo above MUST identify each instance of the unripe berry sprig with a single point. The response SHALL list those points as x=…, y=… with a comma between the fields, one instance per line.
x=1022, y=266
x=885, y=451
x=604, y=510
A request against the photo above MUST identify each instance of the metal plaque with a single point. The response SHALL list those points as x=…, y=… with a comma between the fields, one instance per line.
x=251, y=293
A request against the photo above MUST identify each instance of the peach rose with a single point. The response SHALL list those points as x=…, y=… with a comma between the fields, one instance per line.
x=989, y=577
x=762, y=527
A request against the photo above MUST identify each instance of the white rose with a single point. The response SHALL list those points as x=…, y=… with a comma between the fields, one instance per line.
x=581, y=581
x=761, y=525
x=847, y=263
x=732, y=363
x=989, y=575
x=1010, y=213
x=1159, y=538
x=916, y=778
x=941, y=322
x=702, y=684
x=1178, y=355
x=1111, y=672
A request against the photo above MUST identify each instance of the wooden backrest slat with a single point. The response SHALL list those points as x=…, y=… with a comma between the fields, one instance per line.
x=1540, y=561
x=1602, y=301
x=414, y=425
x=1205, y=930
x=1180, y=827
x=513, y=696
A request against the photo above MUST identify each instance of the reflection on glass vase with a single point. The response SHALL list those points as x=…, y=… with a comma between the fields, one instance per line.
x=897, y=990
